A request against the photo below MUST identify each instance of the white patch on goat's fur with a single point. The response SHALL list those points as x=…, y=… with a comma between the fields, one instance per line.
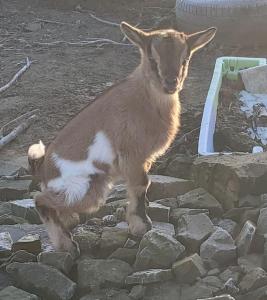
x=36, y=151
x=75, y=178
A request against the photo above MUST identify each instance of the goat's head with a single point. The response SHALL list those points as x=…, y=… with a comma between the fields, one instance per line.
x=166, y=53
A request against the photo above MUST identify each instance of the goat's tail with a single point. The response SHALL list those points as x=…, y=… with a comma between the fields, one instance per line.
x=36, y=154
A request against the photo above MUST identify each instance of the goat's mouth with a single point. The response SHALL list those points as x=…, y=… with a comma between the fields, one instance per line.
x=170, y=86
x=170, y=89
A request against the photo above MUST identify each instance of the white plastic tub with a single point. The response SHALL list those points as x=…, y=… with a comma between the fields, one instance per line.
x=229, y=67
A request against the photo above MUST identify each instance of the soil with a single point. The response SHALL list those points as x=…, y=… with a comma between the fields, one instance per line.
x=64, y=78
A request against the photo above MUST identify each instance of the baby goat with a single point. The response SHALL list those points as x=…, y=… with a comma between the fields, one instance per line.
x=118, y=136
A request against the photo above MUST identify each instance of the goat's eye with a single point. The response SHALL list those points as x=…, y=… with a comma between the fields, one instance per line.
x=154, y=65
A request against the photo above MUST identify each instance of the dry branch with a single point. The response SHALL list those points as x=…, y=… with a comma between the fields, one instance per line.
x=104, y=21
x=15, y=132
x=184, y=137
x=26, y=115
x=99, y=42
x=16, y=177
x=16, y=76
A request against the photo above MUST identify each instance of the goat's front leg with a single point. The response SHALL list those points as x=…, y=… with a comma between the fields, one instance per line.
x=139, y=222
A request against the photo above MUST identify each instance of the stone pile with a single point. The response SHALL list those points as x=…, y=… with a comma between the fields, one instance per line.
x=208, y=241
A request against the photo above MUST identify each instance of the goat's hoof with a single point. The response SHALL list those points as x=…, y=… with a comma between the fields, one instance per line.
x=138, y=226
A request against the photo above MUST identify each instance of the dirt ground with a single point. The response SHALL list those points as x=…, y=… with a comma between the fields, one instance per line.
x=64, y=78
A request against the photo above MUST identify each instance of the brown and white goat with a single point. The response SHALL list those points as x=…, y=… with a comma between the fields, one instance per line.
x=118, y=136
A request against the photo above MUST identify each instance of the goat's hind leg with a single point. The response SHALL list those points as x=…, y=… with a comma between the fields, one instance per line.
x=59, y=235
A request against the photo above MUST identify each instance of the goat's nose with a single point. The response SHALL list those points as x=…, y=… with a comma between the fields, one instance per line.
x=171, y=81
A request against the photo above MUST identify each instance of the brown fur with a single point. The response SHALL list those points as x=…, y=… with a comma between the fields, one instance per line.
x=140, y=116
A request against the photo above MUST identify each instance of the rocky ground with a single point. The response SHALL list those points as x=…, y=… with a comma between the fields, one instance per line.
x=209, y=239
x=209, y=236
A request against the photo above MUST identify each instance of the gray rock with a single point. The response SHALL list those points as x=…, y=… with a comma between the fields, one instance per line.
x=137, y=292
x=25, y=209
x=229, y=225
x=13, y=189
x=5, y=280
x=12, y=167
x=249, y=201
x=111, y=239
x=167, y=187
x=179, y=166
x=87, y=239
x=218, y=249
x=42, y=280
x=199, y=198
x=125, y=254
x=189, y=269
x=229, y=177
x=11, y=220
x=262, y=222
x=212, y=282
x=196, y=291
x=177, y=213
x=233, y=272
x=19, y=230
x=107, y=294
x=109, y=220
x=236, y=214
x=230, y=287
x=157, y=250
x=221, y=297
x=158, y=212
x=245, y=238
x=118, y=192
x=5, y=244
x=263, y=201
x=162, y=227
x=250, y=215
x=166, y=290
x=170, y=202
x=251, y=261
x=254, y=279
x=100, y=213
x=192, y=230
x=30, y=243
x=62, y=261
x=213, y=272
x=149, y=276
x=13, y=293
x=265, y=254
x=21, y=256
x=102, y=273
x=258, y=294
x=118, y=204
x=131, y=244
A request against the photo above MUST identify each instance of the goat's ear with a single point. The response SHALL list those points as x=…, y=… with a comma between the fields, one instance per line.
x=135, y=35
x=199, y=39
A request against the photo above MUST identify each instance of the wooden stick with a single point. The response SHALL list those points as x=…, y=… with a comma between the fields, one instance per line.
x=16, y=177
x=15, y=132
x=83, y=43
x=16, y=76
x=26, y=115
x=104, y=21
